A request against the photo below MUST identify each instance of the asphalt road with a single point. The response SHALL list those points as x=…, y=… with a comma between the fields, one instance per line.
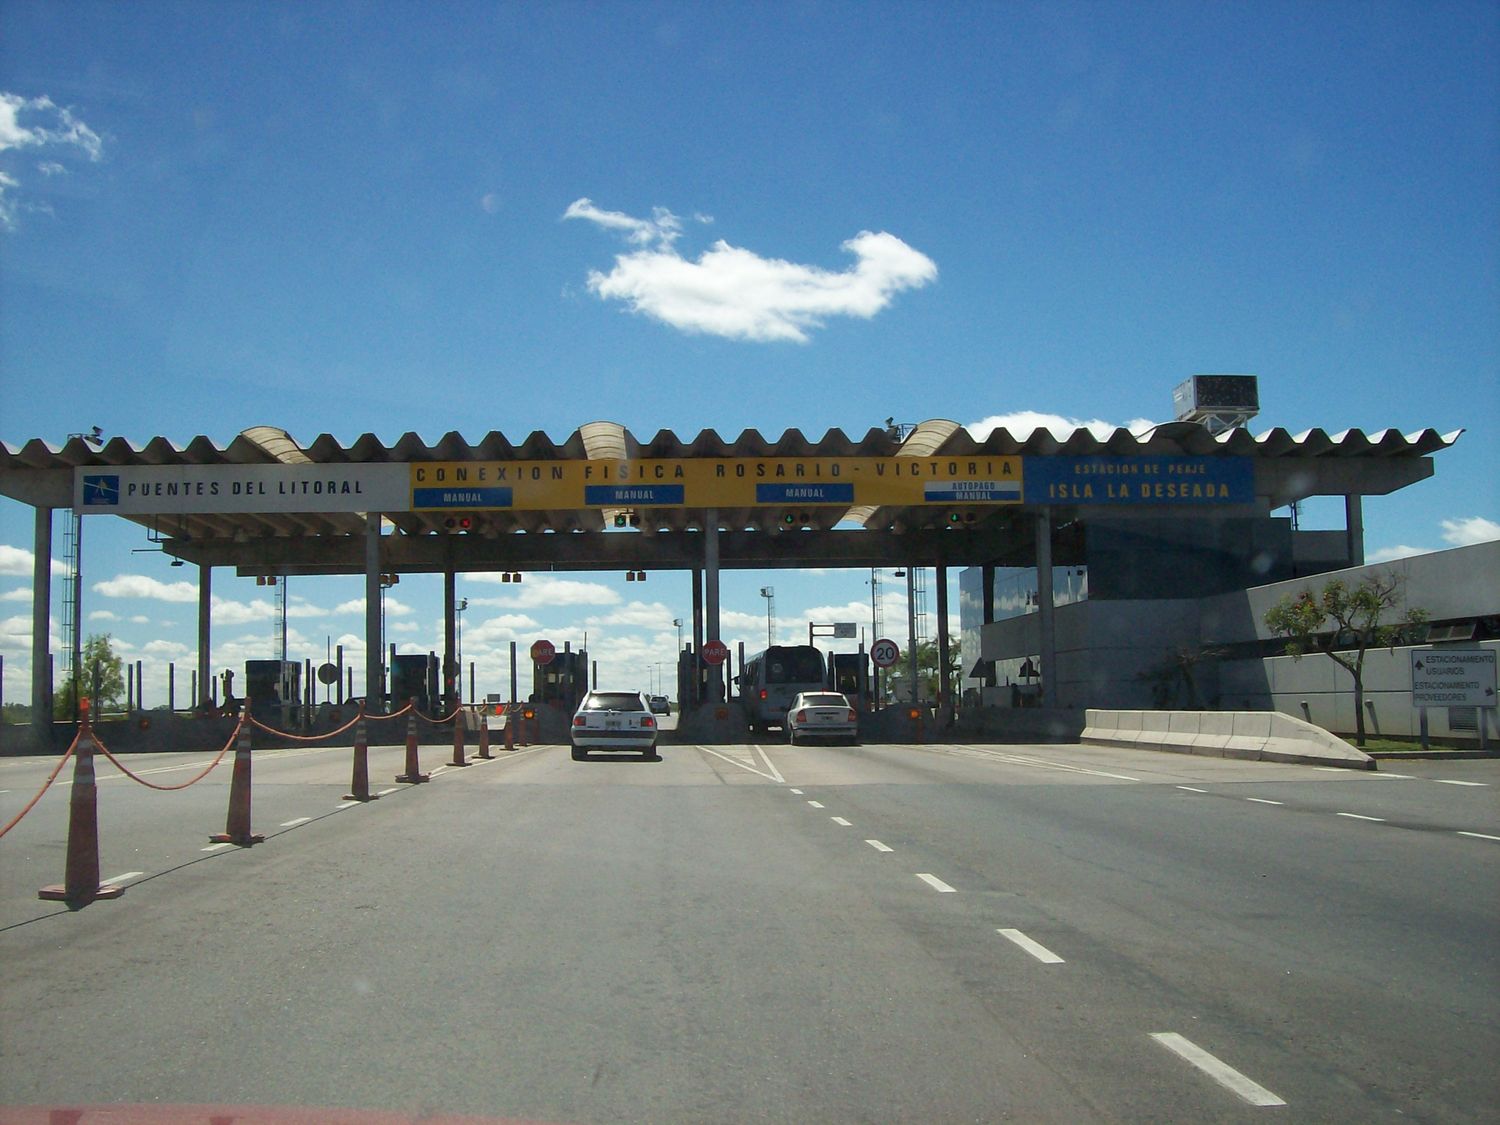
x=878, y=933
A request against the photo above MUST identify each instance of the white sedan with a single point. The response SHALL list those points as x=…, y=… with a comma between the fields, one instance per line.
x=613, y=720
x=822, y=714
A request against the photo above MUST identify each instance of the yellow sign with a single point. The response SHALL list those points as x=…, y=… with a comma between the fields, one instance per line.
x=715, y=482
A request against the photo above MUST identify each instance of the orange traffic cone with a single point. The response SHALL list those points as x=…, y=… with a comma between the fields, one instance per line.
x=237, y=824
x=413, y=774
x=81, y=884
x=361, y=780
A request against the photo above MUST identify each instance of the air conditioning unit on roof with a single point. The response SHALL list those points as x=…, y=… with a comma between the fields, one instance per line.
x=1218, y=402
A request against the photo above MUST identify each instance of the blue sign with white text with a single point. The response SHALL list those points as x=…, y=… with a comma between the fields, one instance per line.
x=632, y=495
x=1138, y=480
x=804, y=493
x=460, y=497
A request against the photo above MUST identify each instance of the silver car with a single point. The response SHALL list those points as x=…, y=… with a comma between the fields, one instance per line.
x=822, y=714
x=613, y=720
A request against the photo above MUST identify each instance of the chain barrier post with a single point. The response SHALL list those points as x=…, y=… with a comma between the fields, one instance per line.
x=484, y=734
x=237, y=823
x=81, y=884
x=510, y=726
x=361, y=780
x=458, y=738
x=413, y=774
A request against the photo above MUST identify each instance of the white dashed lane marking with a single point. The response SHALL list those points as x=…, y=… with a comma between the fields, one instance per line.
x=878, y=846
x=935, y=883
x=1036, y=949
x=1220, y=1071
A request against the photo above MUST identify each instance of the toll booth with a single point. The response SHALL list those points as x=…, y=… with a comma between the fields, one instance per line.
x=849, y=672
x=562, y=683
x=272, y=683
x=414, y=676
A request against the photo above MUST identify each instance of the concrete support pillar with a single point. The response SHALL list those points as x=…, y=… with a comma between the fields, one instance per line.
x=451, y=687
x=697, y=695
x=205, y=637
x=1051, y=696
x=1354, y=523
x=711, y=597
x=374, y=641
x=945, y=682
x=41, y=606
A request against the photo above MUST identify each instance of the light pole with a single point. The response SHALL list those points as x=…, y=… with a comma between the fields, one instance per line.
x=769, y=593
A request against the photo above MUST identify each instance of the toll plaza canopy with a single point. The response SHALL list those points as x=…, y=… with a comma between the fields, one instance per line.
x=930, y=495
x=933, y=496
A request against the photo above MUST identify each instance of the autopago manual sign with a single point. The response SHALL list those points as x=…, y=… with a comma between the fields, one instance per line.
x=1453, y=677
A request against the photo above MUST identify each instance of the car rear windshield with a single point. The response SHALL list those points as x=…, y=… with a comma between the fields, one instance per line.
x=613, y=701
x=825, y=699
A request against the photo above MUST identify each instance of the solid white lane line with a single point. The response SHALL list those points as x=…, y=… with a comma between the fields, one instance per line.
x=1190, y=789
x=1475, y=784
x=112, y=880
x=878, y=846
x=776, y=773
x=816, y=804
x=440, y=769
x=341, y=808
x=1036, y=949
x=1357, y=816
x=1220, y=1071
x=385, y=792
x=1479, y=836
x=935, y=883
x=1263, y=801
x=216, y=847
x=747, y=769
x=840, y=820
x=294, y=823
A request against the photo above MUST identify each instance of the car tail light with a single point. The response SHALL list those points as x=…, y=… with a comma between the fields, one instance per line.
x=763, y=693
x=853, y=717
x=801, y=717
x=647, y=721
x=579, y=721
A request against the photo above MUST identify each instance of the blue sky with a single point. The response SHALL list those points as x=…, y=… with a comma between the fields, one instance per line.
x=382, y=218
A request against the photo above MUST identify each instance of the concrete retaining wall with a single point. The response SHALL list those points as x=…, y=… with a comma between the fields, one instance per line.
x=1256, y=735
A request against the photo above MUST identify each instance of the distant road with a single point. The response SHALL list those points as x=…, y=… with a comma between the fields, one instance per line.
x=771, y=933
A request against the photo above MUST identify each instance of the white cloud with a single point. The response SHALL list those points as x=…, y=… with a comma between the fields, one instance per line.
x=652, y=615
x=1467, y=532
x=1400, y=551
x=21, y=595
x=737, y=294
x=1023, y=423
x=141, y=586
x=542, y=592
x=47, y=125
x=103, y=615
x=16, y=562
x=662, y=229
x=1456, y=533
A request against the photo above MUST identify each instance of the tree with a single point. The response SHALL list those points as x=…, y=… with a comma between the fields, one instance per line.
x=97, y=653
x=1342, y=622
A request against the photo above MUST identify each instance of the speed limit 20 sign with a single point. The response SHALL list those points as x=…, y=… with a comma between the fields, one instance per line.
x=885, y=653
